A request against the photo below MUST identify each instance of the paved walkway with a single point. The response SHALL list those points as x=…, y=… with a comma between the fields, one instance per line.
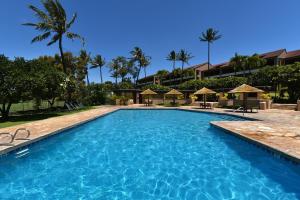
x=277, y=129
x=43, y=128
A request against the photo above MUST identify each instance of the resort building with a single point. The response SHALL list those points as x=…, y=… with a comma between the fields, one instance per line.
x=201, y=71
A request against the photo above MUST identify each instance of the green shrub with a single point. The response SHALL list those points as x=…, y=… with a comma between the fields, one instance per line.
x=156, y=87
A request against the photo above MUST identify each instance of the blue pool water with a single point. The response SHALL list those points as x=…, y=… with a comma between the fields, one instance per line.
x=148, y=154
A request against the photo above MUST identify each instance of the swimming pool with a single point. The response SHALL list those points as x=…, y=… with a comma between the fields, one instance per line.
x=148, y=154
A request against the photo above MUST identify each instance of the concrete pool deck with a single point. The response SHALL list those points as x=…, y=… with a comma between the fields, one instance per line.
x=278, y=130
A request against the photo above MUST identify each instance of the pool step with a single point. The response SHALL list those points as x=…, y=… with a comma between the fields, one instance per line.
x=22, y=153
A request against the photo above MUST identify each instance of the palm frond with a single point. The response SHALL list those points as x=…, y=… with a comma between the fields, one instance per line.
x=54, y=39
x=29, y=24
x=72, y=21
x=41, y=37
x=60, y=9
x=39, y=13
x=73, y=36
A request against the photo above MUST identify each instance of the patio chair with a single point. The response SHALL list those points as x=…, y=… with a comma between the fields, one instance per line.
x=70, y=108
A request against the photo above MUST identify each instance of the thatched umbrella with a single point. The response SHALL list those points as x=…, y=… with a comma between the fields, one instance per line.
x=204, y=91
x=245, y=89
x=174, y=93
x=148, y=93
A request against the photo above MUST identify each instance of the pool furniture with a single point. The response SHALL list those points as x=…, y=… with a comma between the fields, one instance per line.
x=148, y=93
x=15, y=136
x=245, y=90
x=174, y=93
x=205, y=91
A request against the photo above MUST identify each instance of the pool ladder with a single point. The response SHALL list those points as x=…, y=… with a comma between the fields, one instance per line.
x=22, y=153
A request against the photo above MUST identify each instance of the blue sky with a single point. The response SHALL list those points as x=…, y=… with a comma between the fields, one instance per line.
x=114, y=27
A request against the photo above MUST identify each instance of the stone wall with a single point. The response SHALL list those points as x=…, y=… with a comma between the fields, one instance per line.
x=284, y=106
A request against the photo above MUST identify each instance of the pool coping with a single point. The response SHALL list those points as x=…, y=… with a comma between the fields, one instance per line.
x=259, y=143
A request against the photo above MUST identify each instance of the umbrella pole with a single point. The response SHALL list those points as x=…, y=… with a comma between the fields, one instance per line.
x=245, y=102
x=204, y=101
x=148, y=100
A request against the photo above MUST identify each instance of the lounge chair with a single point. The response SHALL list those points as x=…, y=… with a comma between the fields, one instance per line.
x=16, y=136
x=70, y=108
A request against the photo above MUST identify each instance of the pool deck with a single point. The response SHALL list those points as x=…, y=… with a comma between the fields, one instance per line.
x=277, y=130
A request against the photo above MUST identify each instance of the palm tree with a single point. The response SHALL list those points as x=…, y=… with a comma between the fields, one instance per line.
x=209, y=36
x=172, y=57
x=123, y=67
x=184, y=57
x=145, y=62
x=53, y=21
x=161, y=74
x=98, y=62
x=83, y=61
x=238, y=62
x=117, y=66
x=254, y=62
x=137, y=55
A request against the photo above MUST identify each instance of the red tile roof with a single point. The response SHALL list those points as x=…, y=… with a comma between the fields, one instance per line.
x=272, y=54
x=292, y=54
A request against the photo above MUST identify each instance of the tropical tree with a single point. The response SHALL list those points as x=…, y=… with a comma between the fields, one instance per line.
x=53, y=22
x=83, y=61
x=184, y=57
x=133, y=70
x=238, y=62
x=98, y=62
x=254, y=62
x=209, y=36
x=172, y=57
x=13, y=83
x=137, y=55
x=145, y=62
x=115, y=67
x=161, y=74
x=123, y=67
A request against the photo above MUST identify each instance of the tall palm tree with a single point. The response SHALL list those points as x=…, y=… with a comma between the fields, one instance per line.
x=53, y=22
x=83, y=61
x=238, y=62
x=184, y=57
x=115, y=67
x=254, y=62
x=123, y=67
x=172, y=57
x=209, y=36
x=137, y=55
x=98, y=62
x=145, y=62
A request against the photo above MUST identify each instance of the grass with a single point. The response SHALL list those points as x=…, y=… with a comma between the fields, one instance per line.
x=25, y=118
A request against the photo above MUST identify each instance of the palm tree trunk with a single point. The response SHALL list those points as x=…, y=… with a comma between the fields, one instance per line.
x=62, y=55
x=182, y=71
x=174, y=65
x=138, y=74
x=87, y=79
x=208, y=54
x=100, y=69
x=145, y=72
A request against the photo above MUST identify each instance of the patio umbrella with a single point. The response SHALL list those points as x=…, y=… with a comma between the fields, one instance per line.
x=174, y=93
x=245, y=89
x=148, y=93
x=204, y=91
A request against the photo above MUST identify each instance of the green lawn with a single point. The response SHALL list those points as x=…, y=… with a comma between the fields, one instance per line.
x=21, y=119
